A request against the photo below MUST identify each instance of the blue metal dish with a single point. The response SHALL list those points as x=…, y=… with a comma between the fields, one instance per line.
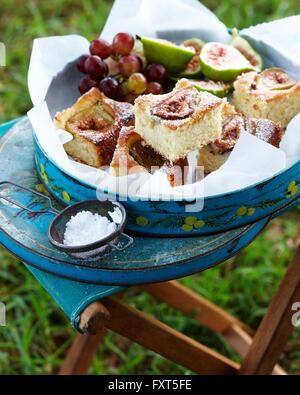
x=172, y=218
x=148, y=260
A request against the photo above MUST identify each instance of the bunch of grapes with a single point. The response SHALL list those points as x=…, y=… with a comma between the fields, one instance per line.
x=118, y=71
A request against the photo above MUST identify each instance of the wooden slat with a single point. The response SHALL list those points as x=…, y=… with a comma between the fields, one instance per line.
x=207, y=313
x=276, y=326
x=241, y=341
x=166, y=341
x=188, y=302
x=93, y=318
x=81, y=353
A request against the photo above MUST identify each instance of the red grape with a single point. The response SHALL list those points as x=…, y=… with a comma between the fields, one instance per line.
x=137, y=83
x=129, y=64
x=110, y=87
x=86, y=83
x=80, y=63
x=101, y=48
x=95, y=67
x=156, y=73
x=155, y=88
x=122, y=44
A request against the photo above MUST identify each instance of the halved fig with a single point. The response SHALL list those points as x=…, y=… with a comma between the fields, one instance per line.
x=246, y=50
x=217, y=88
x=179, y=105
x=174, y=57
x=222, y=62
x=193, y=69
x=274, y=79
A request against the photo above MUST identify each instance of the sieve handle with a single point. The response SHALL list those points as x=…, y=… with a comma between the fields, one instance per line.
x=20, y=205
x=123, y=247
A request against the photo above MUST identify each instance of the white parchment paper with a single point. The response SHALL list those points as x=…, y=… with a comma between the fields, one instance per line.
x=53, y=79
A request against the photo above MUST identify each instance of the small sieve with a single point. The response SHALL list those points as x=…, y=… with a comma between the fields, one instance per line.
x=56, y=230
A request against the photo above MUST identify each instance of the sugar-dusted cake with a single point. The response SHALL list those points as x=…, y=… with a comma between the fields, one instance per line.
x=95, y=123
x=175, y=123
x=214, y=155
x=124, y=160
x=271, y=94
x=133, y=155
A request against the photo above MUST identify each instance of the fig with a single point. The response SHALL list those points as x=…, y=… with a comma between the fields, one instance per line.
x=274, y=79
x=217, y=88
x=246, y=49
x=193, y=69
x=222, y=62
x=174, y=57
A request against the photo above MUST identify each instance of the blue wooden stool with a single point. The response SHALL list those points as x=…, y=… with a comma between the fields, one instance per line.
x=161, y=260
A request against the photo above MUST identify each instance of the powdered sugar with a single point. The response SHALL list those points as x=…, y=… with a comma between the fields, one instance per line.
x=116, y=215
x=86, y=228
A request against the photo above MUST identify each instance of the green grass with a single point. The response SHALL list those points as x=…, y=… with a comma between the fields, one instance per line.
x=38, y=334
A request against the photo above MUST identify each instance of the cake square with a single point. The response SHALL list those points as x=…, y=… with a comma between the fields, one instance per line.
x=178, y=122
x=256, y=100
x=123, y=162
x=95, y=122
x=133, y=156
x=215, y=154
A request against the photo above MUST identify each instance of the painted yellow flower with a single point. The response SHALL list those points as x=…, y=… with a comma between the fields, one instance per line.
x=66, y=196
x=187, y=227
x=43, y=174
x=250, y=211
x=45, y=178
x=41, y=189
x=191, y=223
x=190, y=220
x=42, y=168
x=142, y=221
x=199, y=224
x=292, y=189
x=242, y=211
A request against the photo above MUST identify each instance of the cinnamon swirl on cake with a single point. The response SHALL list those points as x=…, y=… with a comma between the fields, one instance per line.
x=215, y=154
x=133, y=155
x=271, y=94
x=95, y=122
x=178, y=122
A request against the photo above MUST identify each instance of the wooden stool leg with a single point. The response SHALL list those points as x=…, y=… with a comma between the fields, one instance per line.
x=208, y=314
x=160, y=338
x=276, y=326
x=81, y=353
x=93, y=318
x=241, y=342
x=261, y=358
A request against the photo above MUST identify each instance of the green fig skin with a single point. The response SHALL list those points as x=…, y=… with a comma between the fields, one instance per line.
x=175, y=58
x=193, y=69
x=216, y=88
x=242, y=45
x=192, y=74
x=274, y=79
x=228, y=72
